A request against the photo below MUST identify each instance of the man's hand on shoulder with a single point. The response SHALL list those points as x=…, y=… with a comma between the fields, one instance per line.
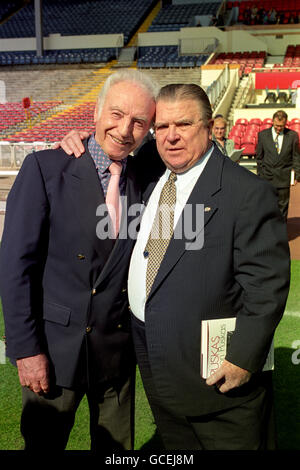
x=34, y=373
x=72, y=142
x=229, y=376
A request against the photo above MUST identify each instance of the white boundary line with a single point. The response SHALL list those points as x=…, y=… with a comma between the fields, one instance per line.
x=292, y=314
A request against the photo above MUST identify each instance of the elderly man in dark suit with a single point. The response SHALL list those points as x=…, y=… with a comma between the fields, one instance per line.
x=235, y=263
x=230, y=258
x=63, y=280
x=277, y=153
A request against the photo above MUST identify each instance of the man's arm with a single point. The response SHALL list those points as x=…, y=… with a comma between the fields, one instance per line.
x=21, y=258
x=262, y=269
x=72, y=142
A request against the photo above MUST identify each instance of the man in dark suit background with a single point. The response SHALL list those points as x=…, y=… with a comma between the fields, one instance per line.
x=63, y=284
x=241, y=270
x=277, y=153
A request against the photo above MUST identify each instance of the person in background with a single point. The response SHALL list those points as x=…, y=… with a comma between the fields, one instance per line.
x=277, y=154
x=218, y=136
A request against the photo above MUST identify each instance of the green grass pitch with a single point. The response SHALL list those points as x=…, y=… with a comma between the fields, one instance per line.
x=286, y=389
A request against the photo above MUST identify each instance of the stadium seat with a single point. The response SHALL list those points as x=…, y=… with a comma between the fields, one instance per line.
x=267, y=121
x=256, y=121
x=243, y=121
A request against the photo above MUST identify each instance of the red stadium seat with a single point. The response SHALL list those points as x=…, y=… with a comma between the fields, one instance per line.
x=237, y=141
x=249, y=149
x=243, y=121
x=248, y=139
x=267, y=121
x=255, y=121
x=265, y=126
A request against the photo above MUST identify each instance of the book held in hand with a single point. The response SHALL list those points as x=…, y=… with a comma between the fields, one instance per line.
x=215, y=340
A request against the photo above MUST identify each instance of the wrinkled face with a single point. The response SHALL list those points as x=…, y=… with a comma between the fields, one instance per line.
x=219, y=129
x=182, y=137
x=279, y=125
x=125, y=119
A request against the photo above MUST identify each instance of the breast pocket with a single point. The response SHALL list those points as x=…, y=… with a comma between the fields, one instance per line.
x=56, y=313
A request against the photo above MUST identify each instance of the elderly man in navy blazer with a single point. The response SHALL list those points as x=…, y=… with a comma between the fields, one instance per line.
x=63, y=284
x=277, y=154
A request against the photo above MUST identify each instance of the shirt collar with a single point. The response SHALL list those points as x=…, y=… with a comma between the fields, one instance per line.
x=275, y=133
x=101, y=159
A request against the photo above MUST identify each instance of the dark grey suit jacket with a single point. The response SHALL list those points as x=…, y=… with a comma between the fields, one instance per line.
x=277, y=168
x=242, y=270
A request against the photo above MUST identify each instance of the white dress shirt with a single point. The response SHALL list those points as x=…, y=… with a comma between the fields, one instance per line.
x=280, y=138
x=138, y=265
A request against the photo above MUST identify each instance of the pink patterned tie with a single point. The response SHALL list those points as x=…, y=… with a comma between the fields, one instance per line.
x=113, y=201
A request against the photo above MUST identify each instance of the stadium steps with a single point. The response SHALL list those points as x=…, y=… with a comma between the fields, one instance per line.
x=236, y=101
x=86, y=89
x=126, y=57
x=41, y=85
x=145, y=25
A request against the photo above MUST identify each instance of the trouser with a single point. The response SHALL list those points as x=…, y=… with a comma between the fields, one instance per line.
x=249, y=426
x=283, y=198
x=47, y=420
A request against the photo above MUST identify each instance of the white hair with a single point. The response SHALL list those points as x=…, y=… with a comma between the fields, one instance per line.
x=127, y=75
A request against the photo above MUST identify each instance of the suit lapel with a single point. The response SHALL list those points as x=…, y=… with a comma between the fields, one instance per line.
x=87, y=195
x=285, y=140
x=271, y=144
x=207, y=186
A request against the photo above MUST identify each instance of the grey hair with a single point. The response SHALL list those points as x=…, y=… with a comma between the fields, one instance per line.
x=127, y=75
x=187, y=91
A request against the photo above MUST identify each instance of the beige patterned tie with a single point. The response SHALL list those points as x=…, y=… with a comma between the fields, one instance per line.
x=113, y=197
x=162, y=230
x=276, y=143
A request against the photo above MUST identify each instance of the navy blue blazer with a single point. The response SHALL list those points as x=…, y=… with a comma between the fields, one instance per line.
x=64, y=290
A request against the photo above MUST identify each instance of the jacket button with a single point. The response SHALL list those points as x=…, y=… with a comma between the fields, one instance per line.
x=129, y=309
x=94, y=291
x=88, y=329
x=124, y=290
x=119, y=326
x=80, y=256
